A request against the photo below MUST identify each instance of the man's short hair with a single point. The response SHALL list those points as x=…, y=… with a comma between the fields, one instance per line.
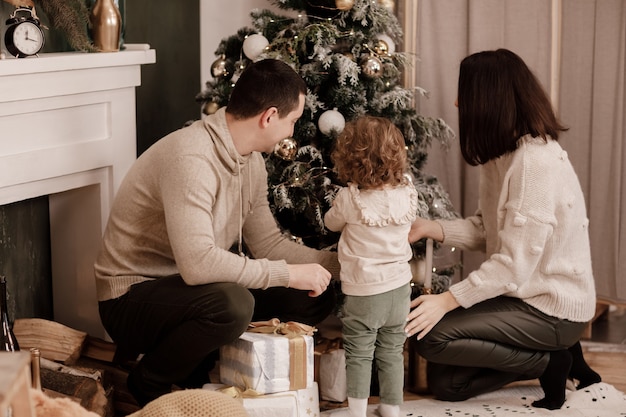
x=264, y=84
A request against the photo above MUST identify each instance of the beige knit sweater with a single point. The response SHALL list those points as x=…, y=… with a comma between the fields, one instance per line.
x=182, y=206
x=533, y=226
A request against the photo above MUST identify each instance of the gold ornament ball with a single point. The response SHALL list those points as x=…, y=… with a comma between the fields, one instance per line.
x=286, y=149
x=210, y=107
x=381, y=47
x=389, y=44
x=371, y=66
x=222, y=68
x=344, y=5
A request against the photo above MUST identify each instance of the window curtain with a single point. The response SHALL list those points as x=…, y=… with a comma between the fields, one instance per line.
x=592, y=103
x=577, y=49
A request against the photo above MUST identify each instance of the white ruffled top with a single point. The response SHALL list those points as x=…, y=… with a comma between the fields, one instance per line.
x=373, y=249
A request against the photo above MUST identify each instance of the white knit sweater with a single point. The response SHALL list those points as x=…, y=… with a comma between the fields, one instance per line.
x=533, y=226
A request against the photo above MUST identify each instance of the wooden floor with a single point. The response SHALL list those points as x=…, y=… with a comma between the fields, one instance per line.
x=605, y=352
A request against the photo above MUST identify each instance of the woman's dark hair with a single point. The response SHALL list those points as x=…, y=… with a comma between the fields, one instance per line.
x=264, y=84
x=500, y=100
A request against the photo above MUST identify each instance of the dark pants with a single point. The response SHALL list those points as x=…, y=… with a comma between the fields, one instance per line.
x=482, y=348
x=179, y=328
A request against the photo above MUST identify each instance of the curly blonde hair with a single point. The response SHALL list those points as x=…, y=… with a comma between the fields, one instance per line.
x=370, y=153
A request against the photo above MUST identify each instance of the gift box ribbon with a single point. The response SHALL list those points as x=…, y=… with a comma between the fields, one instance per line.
x=297, y=346
x=239, y=393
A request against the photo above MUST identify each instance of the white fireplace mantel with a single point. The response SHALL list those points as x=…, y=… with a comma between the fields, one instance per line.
x=68, y=130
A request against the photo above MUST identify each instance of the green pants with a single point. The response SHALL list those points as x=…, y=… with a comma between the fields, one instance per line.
x=373, y=327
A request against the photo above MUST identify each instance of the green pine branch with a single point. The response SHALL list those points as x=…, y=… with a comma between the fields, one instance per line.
x=71, y=18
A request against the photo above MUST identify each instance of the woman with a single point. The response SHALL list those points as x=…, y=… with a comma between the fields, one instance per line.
x=521, y=314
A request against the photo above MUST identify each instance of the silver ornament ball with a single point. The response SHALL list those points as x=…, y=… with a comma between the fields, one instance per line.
x=371, y=66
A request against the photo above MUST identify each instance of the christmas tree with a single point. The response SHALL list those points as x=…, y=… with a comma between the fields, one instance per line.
x=345, y=51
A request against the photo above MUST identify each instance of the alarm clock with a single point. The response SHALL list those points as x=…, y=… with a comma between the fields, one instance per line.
x=24, y=36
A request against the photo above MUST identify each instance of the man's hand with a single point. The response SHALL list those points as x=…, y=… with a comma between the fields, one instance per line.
x=312, y=277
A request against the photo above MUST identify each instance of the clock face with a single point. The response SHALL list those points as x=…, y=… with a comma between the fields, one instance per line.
x=27, y=38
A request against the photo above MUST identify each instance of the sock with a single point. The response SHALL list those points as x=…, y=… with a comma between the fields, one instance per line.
x=357, y=406
x=389, y=410
x=580, y=369
x=554, y=379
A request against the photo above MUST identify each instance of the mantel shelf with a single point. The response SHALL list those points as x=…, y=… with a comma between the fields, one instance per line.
x=134, y=54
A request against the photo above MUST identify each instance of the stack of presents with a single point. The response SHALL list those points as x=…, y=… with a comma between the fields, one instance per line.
x=277, y=370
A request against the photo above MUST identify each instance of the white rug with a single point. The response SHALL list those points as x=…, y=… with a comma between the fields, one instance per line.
x=598, y=400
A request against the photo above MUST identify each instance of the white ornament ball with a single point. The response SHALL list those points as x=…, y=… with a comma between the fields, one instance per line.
x=331, y=120
x=254, y=45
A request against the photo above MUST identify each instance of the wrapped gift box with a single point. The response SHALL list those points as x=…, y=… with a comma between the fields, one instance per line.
x=268, y=363
x=299, y=403
x=332, y=379
x=330, y=370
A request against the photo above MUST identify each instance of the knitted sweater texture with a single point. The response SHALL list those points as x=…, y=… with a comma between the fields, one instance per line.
x=183, y=205
x=374, y=249
x=532, y=224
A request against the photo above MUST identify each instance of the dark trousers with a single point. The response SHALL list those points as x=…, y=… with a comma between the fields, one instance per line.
x=480, y=349
x=179, y=328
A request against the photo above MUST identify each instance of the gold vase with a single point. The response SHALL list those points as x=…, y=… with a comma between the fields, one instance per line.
x=106, y=25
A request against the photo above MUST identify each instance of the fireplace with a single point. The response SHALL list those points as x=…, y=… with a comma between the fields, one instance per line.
x=67, y=130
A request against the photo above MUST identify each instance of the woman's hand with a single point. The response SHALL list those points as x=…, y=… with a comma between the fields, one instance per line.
x=427, y=311
x=422, y=228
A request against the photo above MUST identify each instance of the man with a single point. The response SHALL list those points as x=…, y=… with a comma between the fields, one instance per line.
x=168, y=284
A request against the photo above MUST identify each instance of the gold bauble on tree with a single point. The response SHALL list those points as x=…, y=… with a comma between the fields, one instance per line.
x=210, y=107
x=344, y=5
x=286, y=149
x=381, y=47
x=222, y=68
